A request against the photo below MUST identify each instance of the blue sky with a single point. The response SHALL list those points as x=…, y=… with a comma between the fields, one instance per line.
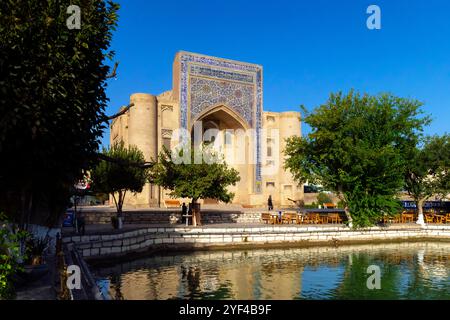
x=308, y=48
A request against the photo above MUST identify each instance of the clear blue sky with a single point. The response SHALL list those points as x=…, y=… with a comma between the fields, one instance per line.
x=307, y=48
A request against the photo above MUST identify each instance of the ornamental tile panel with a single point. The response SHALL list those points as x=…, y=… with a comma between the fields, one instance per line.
x=208, y=81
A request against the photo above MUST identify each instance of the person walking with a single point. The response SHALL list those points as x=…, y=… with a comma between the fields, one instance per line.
x=270, y=203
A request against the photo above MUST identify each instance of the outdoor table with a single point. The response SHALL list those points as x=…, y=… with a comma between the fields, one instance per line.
x=187, y=216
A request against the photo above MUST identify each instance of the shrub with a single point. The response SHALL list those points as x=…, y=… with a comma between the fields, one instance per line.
x=10, y=257
x=35, y=248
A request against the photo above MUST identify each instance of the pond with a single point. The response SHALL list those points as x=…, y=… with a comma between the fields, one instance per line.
x=410, y=270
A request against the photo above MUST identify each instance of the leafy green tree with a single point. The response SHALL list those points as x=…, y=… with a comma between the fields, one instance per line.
x=207, y=179
x=428, y=171
x=357, y=148
x=119, y=176
x=322, y=198
x=52, y=101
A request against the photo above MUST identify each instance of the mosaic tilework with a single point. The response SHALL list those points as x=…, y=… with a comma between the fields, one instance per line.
x=208, y=92
x=235, y=95
x=258, y=133
x=220, y=74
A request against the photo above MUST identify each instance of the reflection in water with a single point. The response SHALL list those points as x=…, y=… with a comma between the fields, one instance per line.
x=408, y=271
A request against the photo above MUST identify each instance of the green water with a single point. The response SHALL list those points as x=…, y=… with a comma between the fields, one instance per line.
x=407, y=271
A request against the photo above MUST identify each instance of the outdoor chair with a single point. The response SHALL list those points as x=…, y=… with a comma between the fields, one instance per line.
x=439, y=218
x=323, y=219
x=267, y=218
x=334, y=218
x=407, y=217
x=447, y=218
x=306, y=219
x=314, y=218
x=428, y=218
x=289, y=218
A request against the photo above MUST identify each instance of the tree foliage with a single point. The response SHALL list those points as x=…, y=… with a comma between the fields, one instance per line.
x=357, y=148
x=10, y=257
x=322, y=198
x=428, y=169
x=117, y=177
x=195, y=180
x=52, y=100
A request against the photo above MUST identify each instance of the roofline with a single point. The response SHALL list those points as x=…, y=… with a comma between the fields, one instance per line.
x=214, y=57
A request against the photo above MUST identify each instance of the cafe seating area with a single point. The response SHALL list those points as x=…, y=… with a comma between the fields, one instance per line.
x=437, y=218
x=411, y=217
x=292, y=217
x=329, y=216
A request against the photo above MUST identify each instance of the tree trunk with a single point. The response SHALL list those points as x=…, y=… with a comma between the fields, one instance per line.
x=419, y=204
x=349, y=216
x=346, y=210
x=115, y=202
x=196, y=220
x=120, y=206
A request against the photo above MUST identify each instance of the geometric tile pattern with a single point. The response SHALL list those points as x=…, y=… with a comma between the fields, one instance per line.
x=207, y=81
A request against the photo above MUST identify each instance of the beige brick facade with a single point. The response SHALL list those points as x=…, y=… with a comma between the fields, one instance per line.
x=225, y=96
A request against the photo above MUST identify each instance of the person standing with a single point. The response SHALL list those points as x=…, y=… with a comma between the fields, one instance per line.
x=184, y=212
x=270, y=203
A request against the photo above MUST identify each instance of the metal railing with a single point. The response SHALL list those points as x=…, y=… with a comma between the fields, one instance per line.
x=67, y=255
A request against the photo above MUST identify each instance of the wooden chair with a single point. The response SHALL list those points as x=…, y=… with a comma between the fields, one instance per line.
x=306, y=219
x=407, y=217
x=429, y=218
x=267, y=218
x=323, y=219
x=289, y=217
x=447, y=218
x=314, y=218
x=334, y=218
x=439, y=218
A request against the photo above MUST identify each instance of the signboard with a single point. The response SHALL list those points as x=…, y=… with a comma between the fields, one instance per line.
x=68, y=218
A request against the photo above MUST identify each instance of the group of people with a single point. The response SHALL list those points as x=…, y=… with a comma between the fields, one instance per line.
x=186, y=212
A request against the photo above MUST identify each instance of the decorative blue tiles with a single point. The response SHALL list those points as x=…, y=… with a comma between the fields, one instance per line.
x=207, y=81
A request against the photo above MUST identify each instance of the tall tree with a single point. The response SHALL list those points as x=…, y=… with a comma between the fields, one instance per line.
x=207, y=179
x=120, y=176
x=357, y=148
x=52, y=101
x=428, y=171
